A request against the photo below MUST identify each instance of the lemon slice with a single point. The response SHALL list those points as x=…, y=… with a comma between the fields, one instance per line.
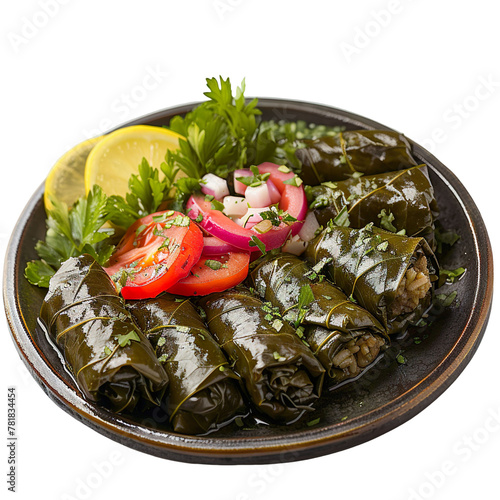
x=65, y=181
x=119, y=154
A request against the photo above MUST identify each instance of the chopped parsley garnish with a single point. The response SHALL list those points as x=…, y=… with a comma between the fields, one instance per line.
x=217, y=205
x=451, y=275
x=163, y=358
x=213, y=264
x=445, y=300
x=386, y=221
x=277, y=356
x=255, y=242
x=254, y=180
x=342, y=218
x=276, y=216
x=124, y=340
x=445, y=238
x=294, y=181
x=313, y=422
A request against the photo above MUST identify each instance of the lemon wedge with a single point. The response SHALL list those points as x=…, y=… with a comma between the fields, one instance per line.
x=118, y=155
x=65, y=181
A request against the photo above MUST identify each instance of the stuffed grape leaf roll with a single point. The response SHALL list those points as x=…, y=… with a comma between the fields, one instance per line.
x=108, y=355
x=354, y=151
x=345, y=337
x=394, y=201
x=388, y=274
x=203, y=392
x=281, y=375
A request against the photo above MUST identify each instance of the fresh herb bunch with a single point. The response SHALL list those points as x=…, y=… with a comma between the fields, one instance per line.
x=146, y=193
x=225, y=134
x=218, y=133
x=71, y=232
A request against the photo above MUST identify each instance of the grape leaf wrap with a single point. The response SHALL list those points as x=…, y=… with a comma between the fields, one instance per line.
x=365, y=151
x=108, y=355
x=282, y=377
x=203, y=391
x=330, y=321
x=407, y=196
x=369, y=264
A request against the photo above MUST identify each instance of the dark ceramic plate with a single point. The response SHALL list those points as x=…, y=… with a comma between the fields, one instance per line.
x=385, y=397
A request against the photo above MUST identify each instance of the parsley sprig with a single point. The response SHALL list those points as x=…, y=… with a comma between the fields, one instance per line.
x=71, y=232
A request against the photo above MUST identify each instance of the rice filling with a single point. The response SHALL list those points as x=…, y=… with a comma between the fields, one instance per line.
x=358, y=353
x=414, y=286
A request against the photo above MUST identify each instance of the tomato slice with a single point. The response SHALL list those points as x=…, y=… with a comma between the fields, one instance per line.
x=156, y=252
x=207, y=277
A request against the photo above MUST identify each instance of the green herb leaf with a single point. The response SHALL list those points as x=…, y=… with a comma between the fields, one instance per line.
x=146, y=193
x=255, y=242
x=217, y=205
x=445, y=238
x=445, y=300
x=313, y=422
x=213, y=264
x=71, y=232
x=452, y=275
x=277, y=356
x=342, y=218
x=124, y=340
x=386, y=219
x=306, y=296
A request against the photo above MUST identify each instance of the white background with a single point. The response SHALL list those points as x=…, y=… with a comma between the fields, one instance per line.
x=421, y=69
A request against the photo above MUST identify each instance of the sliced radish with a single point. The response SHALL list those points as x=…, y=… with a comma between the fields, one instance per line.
x=294, y=202
x=239, y=187
x=274, y=194
x=215, y=246
x=258, y=196
x=251, y=217
x=219, y=225
x=277, y=176
x=235, y=206
x=214, y=186
x=295, y=245
x=309, y=228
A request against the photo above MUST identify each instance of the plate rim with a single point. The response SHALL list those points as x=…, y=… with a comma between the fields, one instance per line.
x=299, y=445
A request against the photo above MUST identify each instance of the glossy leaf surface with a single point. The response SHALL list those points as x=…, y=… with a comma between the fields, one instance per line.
x=330, y=321
x=108, y=355
x=203, y=389
x=406, y=196
x=281, y=375
x=366, y=151
x=368, y=265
